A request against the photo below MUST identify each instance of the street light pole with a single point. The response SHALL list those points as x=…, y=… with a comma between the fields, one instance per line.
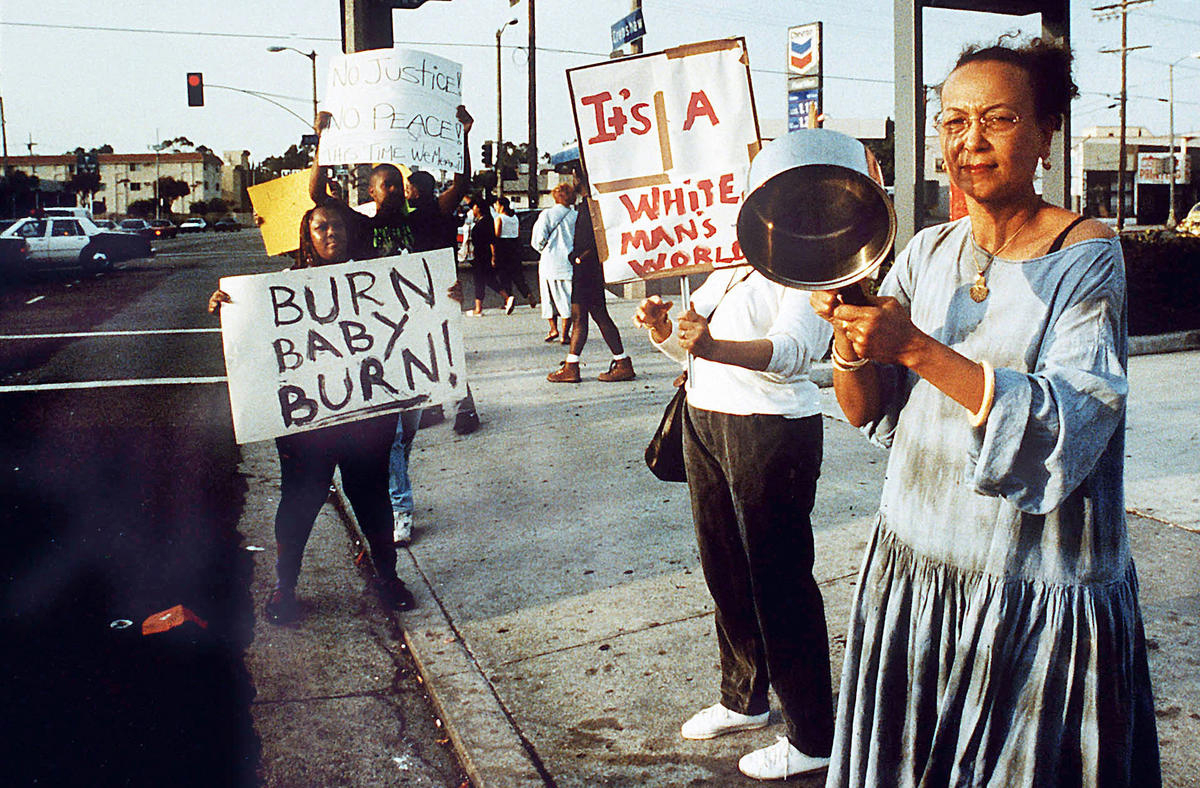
x=1171, y=218
x=499, y=114
x=312, y=56
x=533, y=156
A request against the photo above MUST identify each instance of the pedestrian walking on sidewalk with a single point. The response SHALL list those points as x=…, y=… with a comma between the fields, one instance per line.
x=483, y=241
x=553, y=236
x=508, y=256
x=588, y=300
x=752, y=446
x=307, y=460
x=995, y=636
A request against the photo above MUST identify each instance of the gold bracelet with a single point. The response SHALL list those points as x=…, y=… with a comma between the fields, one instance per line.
x=839, y=362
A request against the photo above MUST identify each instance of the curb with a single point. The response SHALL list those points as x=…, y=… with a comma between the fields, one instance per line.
x=1164, y=343
x=491, y=748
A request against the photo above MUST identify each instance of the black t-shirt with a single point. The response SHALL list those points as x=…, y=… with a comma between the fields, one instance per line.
x=430, y=229
x=483, y=235
x=390, y=233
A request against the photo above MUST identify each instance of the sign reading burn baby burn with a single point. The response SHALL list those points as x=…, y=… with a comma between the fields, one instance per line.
x=318, y=346
x=667, y=140
x=394, y=105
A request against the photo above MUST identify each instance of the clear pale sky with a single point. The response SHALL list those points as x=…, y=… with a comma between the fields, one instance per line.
x=75, y=73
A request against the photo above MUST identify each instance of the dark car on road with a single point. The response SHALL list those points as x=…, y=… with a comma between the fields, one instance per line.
x=138, y=227
x=164, y=228
x=525, y=220
x=228, y=224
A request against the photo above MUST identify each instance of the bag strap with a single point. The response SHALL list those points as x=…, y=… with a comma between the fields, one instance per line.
x=1057, y=243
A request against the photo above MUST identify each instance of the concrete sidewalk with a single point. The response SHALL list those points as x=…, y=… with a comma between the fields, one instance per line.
x=564, y=628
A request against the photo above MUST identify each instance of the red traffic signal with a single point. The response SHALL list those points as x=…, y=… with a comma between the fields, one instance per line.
x=195, y=87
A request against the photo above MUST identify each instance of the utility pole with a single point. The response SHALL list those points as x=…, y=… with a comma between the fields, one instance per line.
x=366, y=24
x=1171, y=218
x=532, y=157
x=1108, y=12
x=4, y=134
x=635, y=46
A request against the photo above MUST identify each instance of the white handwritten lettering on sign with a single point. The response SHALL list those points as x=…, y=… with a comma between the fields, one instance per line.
x=313, y=347
x=667, y=140
x=394, y=105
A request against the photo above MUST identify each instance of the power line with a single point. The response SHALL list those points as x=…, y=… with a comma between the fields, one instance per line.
x=272, y=37
x=269, y=37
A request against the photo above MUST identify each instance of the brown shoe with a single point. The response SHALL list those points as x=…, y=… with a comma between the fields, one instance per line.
x=619, y=369
x=567, y=373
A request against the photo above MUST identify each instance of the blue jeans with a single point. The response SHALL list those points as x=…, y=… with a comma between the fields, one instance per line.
x=399, y=485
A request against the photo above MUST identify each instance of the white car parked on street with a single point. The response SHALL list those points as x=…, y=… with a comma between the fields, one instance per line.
x=75, y=240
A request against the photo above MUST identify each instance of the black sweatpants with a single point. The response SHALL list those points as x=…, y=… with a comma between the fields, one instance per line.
x=753, y=482
x=307, y=461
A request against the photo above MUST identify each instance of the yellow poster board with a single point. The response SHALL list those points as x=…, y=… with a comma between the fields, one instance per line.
x=279, y=205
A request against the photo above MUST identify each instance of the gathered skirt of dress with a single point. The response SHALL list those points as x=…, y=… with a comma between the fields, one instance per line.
x=963, y=678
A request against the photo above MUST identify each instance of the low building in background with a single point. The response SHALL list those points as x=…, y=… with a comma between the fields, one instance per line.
x=128, y=177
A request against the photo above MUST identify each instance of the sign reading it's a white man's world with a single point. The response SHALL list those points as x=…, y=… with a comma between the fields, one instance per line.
x=314, y=347
x=393, y=105
x=667, y=140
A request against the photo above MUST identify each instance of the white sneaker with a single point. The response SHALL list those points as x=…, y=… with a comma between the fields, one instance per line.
x=402, y=527
x=510, y=304
x=779, y=761
x=717, y=721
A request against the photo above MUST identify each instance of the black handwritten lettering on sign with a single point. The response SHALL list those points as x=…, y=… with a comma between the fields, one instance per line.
x=309, y=348
x=394, y=105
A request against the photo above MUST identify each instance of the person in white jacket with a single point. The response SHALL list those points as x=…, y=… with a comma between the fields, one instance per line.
x=752, y=443
x=553, y=235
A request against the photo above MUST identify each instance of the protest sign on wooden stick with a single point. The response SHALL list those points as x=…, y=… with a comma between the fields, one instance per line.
x=313, y=347
x=667, y=140
x=393, y=105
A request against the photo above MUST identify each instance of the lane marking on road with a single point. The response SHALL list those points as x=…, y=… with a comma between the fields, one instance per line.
x=109, y=384
x=87, y=334
x=159, y=255
x=34, y=300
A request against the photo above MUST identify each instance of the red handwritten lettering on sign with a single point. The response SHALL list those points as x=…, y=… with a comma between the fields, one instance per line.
x=699, y=105
x=680, y=200
x=612, y=122
x=699, y=254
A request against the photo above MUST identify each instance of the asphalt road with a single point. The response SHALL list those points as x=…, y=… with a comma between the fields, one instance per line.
x=121, y=499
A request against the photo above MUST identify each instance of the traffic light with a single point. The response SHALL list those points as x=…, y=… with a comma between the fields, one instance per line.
x=195, y=85
x=487, y=154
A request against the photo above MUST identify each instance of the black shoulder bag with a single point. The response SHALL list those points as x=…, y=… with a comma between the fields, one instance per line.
x=664, y=454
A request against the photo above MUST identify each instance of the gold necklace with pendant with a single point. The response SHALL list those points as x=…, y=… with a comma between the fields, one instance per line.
x=979, y=290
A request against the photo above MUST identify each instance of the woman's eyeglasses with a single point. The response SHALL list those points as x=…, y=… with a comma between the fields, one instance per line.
x=996, y=123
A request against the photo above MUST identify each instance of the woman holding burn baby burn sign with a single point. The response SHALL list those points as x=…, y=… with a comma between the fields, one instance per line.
x=995, y=638
x=307, y=459
x=752, y=444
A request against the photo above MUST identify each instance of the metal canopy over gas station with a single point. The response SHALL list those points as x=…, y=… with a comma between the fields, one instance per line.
x=910, y=102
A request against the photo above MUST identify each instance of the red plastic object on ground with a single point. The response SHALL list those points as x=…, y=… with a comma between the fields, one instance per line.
x=169, y=619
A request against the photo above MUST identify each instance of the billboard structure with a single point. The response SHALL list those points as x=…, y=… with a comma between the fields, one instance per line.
x=805, y=66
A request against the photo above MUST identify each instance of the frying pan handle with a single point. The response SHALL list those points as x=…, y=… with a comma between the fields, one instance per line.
x=853, y=294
